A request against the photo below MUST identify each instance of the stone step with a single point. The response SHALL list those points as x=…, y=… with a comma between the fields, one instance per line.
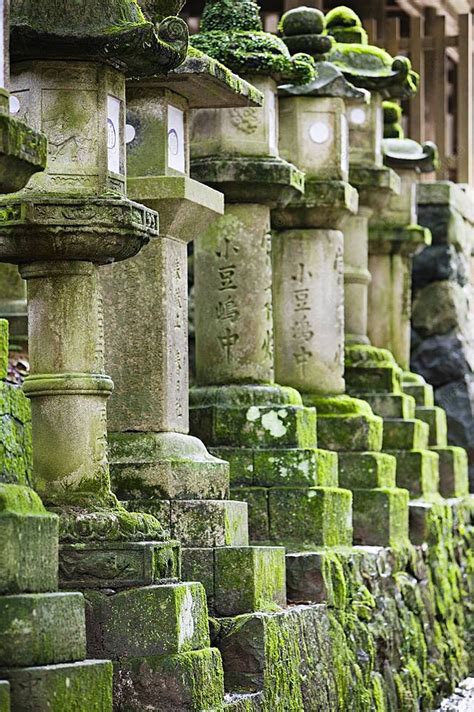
x=362, y=380
x=5, y=696
x=392, y=405
x=453, y=471
x=417, y=471
x=298, y=516
x=421, y=392
x=280, y=467
x=365, y=470
x=199, y=522
x=286, y=426
x=358, y=432
x=238, y=579
x=437, y=422
x=381, y=517
x=401, y=434
x=82, y=686
x=41, y=629
x=178, y=683
x=152, y=620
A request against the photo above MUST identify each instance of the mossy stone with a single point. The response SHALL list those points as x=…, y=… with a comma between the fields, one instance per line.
x=350, y=432
x=342, y=16
x=4, y=696
x=399, y=434
x=380, y=517
x=3, y=348
x=453, y=471
x=258, y=515
x=302, y=21
x=417, y=471
x=366, y=470
x=436, y=420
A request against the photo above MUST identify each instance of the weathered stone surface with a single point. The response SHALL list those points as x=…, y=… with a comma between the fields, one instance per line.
x=401, y=434
x=207, y=523
x=421, y=392
x=41, y=629
x=315, y=516
x=365, y=470
x=198, y=565
x=83, y=686
x=249, y=579
x=440, y=307
x=153, y=620
x=168, y=465
x=3, y=348
x=392, y=405
x=258, y=514
x=437, y=263
x=443, y=358
x=350, y=432
x=453, y=471
x=281, y=426
x=380, y=516
x=4, y=696
x=457, y=399
x=435, y=417
x=417, y=471
x=28, y=542
x=182, y=682
x=118, y=565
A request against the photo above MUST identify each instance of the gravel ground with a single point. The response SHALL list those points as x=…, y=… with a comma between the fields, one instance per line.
x=462, y=700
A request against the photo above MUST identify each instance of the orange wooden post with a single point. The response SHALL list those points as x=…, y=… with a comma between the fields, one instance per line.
x=417, y=102
x=440, y=93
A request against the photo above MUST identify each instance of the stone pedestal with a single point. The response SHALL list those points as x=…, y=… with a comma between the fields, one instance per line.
x=157, y=467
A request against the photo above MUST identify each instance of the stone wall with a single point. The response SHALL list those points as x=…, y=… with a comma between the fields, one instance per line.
x=442, y=320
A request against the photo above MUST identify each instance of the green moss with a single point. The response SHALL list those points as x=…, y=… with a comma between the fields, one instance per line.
x=342, y=16
x=230, y=15
x=302, y=21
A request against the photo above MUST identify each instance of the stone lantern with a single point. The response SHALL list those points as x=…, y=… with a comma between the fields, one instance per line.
x=394, y=237
x=68, y=75
x=157, y=466
x=308, y=252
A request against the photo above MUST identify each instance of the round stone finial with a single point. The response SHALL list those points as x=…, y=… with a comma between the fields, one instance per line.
x=220, y=15
x=302, y=21
x=345, y=25
x=392, y=114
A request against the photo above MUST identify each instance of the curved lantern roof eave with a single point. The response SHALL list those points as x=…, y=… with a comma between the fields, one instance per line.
x=329, y=82
x=407, y=153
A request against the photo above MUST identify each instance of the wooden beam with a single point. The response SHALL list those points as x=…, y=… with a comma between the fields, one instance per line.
x=440, y=93
x=417, y=55
x=392, y=36
x=464, y=116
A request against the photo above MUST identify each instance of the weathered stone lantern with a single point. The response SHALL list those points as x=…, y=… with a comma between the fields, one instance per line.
x=308, y=247
x=394, y=237
x=156, y=465
x=68, y=75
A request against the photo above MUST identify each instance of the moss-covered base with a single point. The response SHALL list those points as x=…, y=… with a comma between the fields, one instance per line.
x=392, y=630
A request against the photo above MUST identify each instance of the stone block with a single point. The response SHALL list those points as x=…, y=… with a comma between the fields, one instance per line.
x=241, y=463
x=284, y=426
x=438, y=263
x=28, y=542
x=312, y=577
x=178, y=683
x=198, y=565
x=41, y=629
x=453, y=471
x=419, y=517
x=362, y=380
x=421, y=392
x=118, y=565
x=166, y=466
x=401, y=434
x=417, y=471
x=366, y=470
x=392, y=405
x=4, y=696
x=258, y=516
x=435, y=417
x=153, y=620
x=380, y=517
x=457, y=399
x=350, y=432
x=83, y=687
x=202, y=523
x=249, y=579
x=310, y=516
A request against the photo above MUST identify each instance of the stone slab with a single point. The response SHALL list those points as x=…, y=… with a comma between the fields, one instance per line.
x=198, y=565
x=380, y=517
x=249, y=579
x=310, y=516
x=350, y=432
x=362, y=380
x=203, y=523
x=417, y=471
x=83, y=687
x=392, y=405
x=365, y=470
x=258, y=513
x=435, y=417
x=178, y=683
x=152, y=620
x=399, y=434
x=421, y=392
x=118, y=565
x=453, y=471
x=42, y=629
x=284, y=426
